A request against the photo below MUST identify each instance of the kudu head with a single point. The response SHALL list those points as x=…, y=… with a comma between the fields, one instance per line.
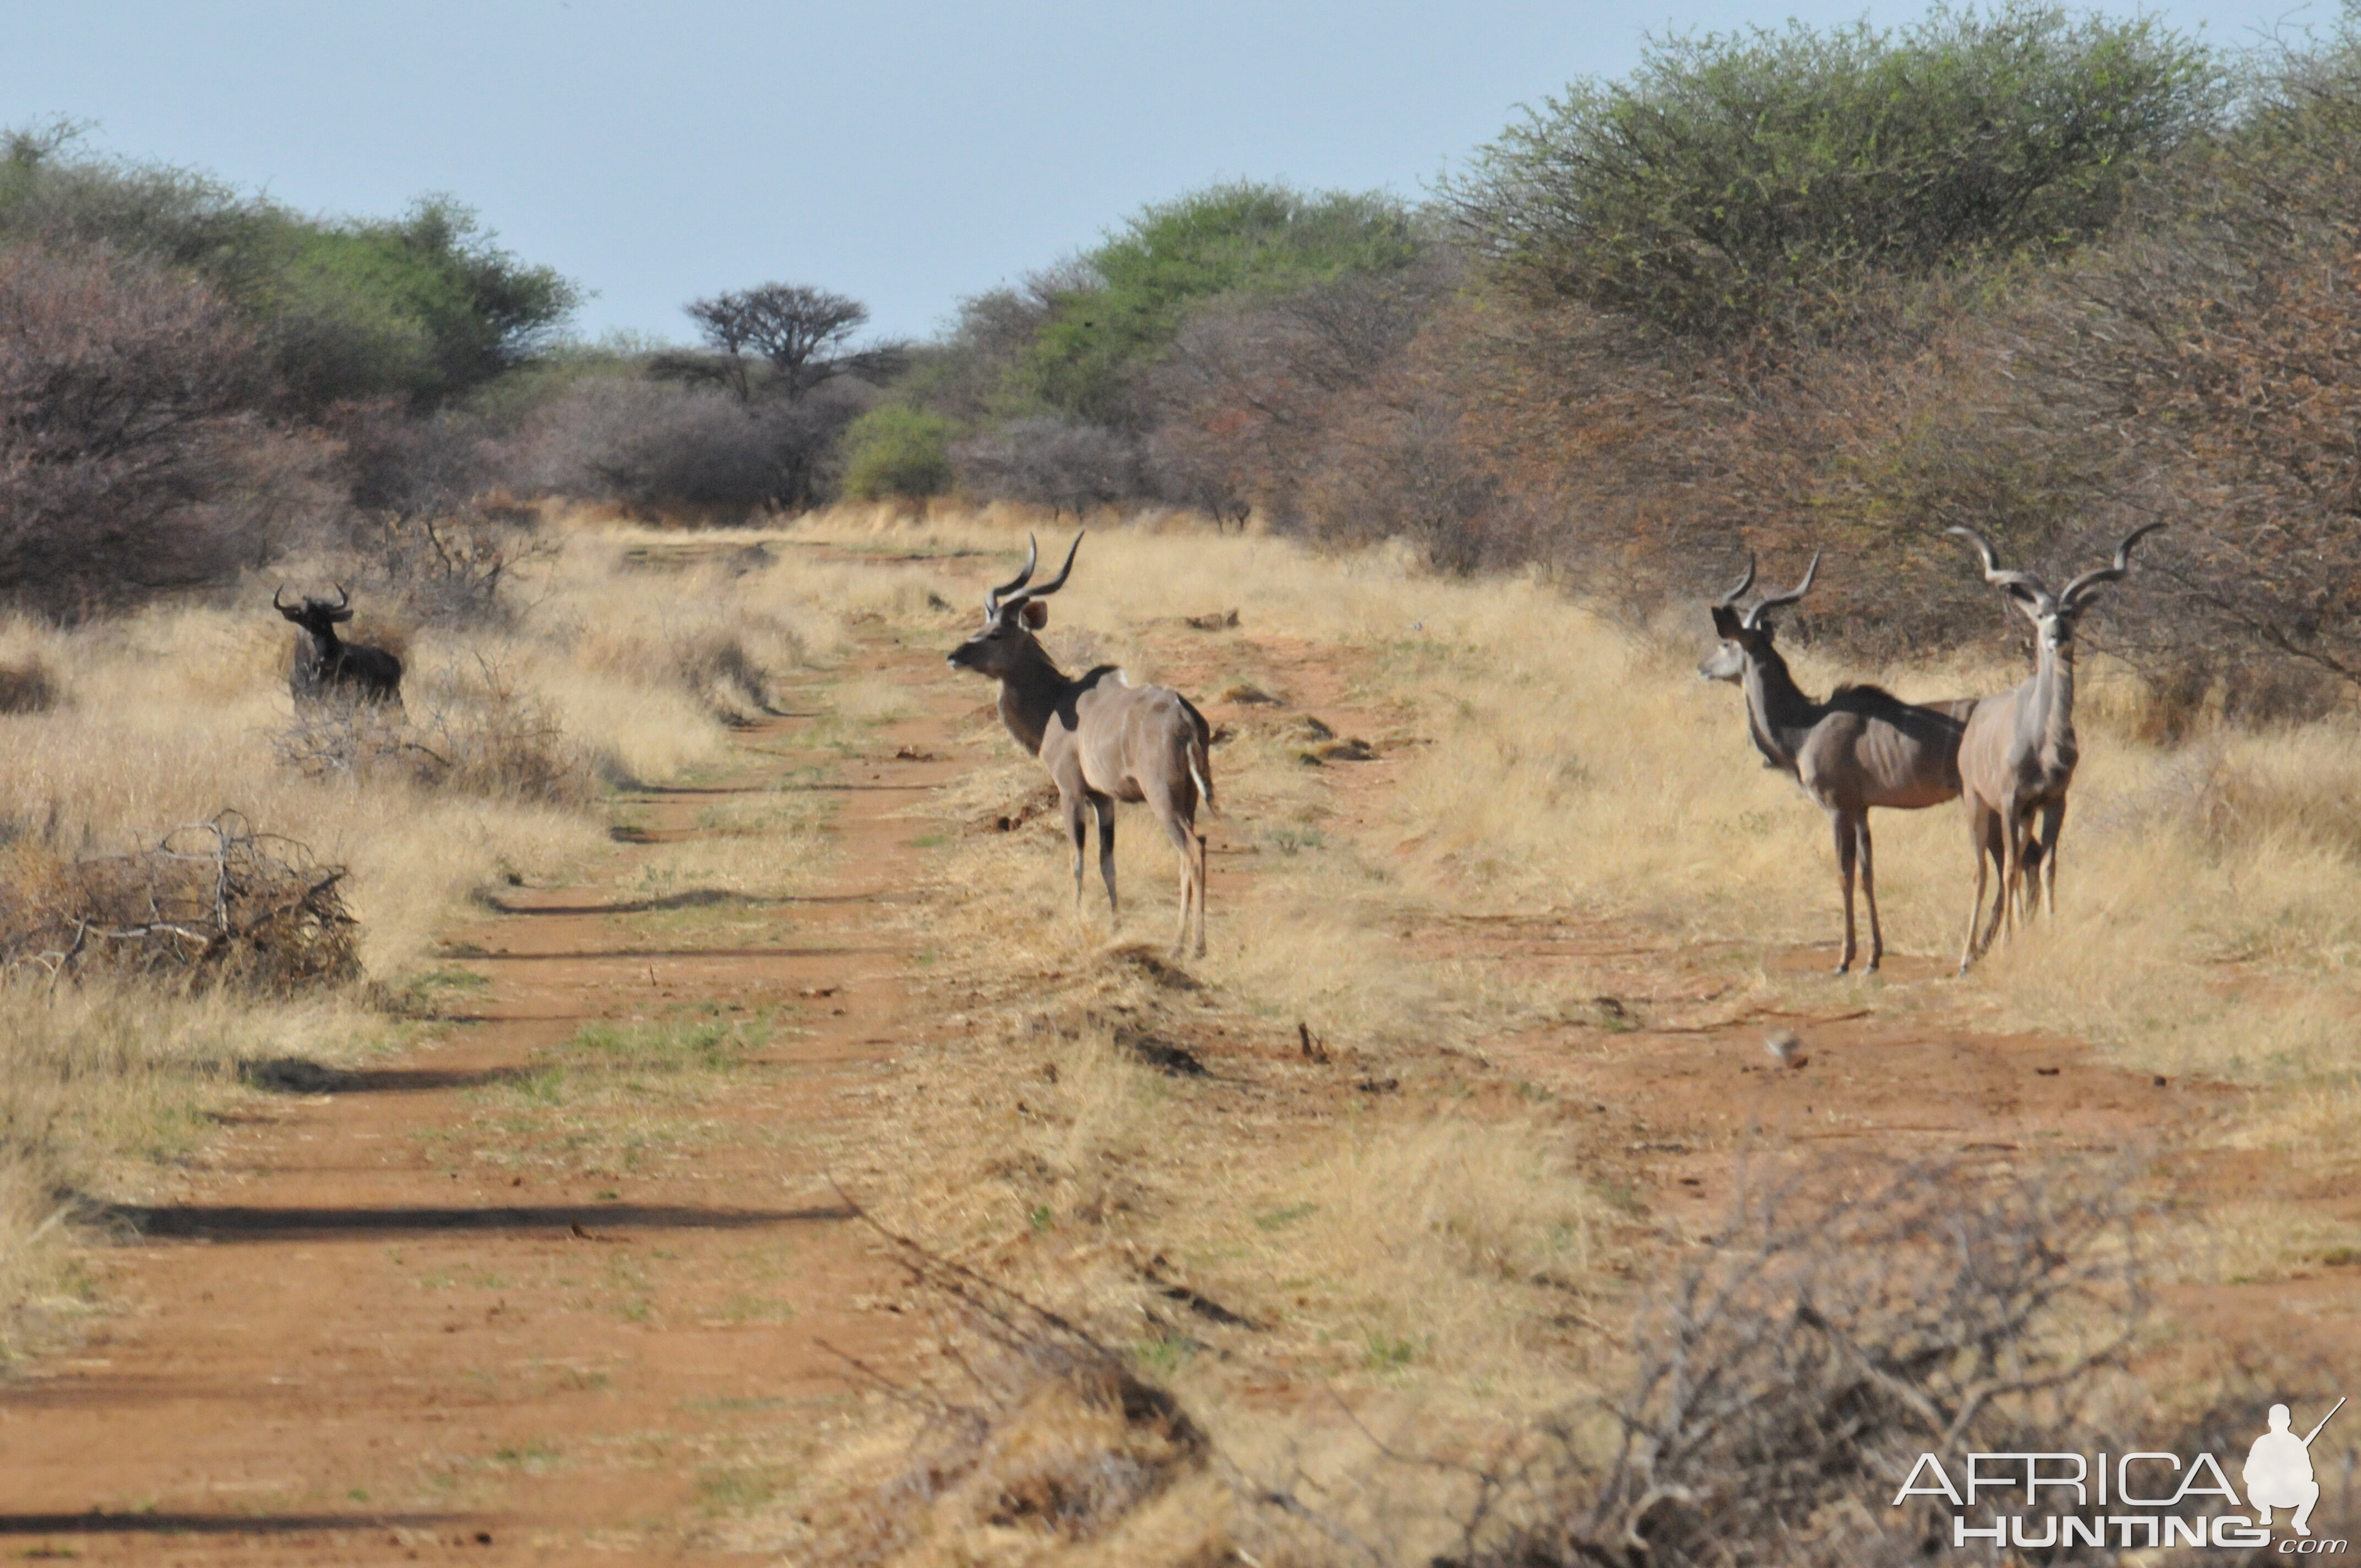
x=1747, y=639
x=2054, y=615
x=1012, y=614
x=318, y=616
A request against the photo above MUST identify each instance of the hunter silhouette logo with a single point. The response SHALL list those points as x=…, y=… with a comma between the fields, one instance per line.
x=2279, y=1471
x=2147, y=1498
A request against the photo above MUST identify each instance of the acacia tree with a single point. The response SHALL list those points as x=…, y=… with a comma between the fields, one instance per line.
x=784, y=339
x=785, y=351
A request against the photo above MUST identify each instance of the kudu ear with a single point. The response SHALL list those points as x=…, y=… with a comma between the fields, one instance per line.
x=1725, y=622
x=1035, y=615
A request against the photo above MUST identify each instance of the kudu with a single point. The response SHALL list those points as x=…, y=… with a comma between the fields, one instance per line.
x=1102, y=738
x=1864, y=747
x=2018, y=757
x=326, y=665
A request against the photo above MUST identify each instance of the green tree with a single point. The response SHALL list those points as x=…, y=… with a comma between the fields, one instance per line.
x=897, y=450
x=423, y=307
x=1242, y=238
x=1737, y=182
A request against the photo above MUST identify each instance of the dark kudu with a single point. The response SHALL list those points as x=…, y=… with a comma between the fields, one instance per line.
x=326, y=665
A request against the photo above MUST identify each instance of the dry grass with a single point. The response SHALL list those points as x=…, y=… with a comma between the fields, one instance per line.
x=603, y=672
x=1552, y=757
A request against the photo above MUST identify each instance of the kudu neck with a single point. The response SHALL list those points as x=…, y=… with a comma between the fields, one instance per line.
x=1030, y=692
x=2052, y=714
x=1778, y=714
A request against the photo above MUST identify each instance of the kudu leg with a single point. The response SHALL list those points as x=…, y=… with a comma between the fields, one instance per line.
x=1869, y=897
x=1192, y=886
x=1842, y=824
x=1981, y=834
x=2053, y=819
x=1078, y=830
x=2011, y=875
x=1201, y=894
x=1104, y=811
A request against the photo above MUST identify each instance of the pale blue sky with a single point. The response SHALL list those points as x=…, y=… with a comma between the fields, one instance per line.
x=903, y=152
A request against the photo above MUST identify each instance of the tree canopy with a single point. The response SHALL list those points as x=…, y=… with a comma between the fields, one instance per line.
x=1752, y=180
x=421, y=308
x=1129, y=302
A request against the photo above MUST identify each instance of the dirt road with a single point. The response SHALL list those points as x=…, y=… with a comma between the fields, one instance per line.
x=466, y=1305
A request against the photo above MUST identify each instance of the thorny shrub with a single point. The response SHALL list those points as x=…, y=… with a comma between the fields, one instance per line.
x=130, y=461
x=1785, y=1378
x=1044, y=1429
x=467, y=726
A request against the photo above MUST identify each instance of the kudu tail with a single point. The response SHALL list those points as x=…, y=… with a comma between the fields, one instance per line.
x=1201, y=770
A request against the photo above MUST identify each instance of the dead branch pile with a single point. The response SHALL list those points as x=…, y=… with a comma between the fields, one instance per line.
x=1783, y=1382
x=214, y=902
x=1039, y=1428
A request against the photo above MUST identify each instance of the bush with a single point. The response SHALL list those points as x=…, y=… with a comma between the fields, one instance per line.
x=468, y=728
x=128, y=464
x=2218, y=354
x=896, y=450
x=1051, y=463
x=1250, y=389
x=1789, y=1374
x=1753, y=181
x=655, y=445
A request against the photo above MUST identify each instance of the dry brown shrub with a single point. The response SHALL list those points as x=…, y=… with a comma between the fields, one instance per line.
x=493, y=737
x=472, y=728
x=717, y=667
x=1788, y=1373
x=130, y=463
x=27, y=687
